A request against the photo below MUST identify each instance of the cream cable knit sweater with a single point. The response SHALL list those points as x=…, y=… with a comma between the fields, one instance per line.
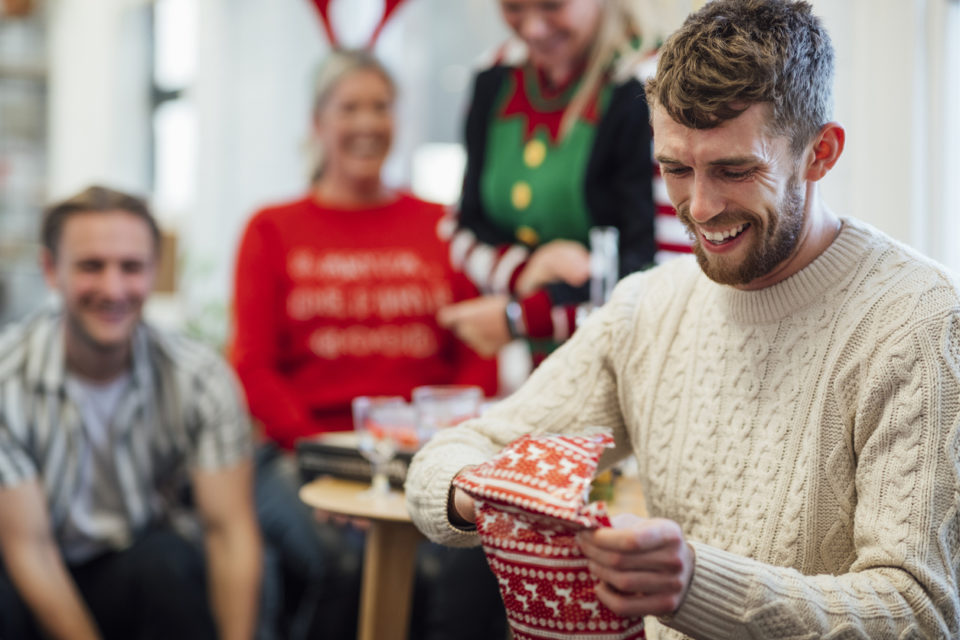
x=804, y=436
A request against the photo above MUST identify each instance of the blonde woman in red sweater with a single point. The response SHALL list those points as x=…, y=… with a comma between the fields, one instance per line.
x=336, y=292
x=336, y=295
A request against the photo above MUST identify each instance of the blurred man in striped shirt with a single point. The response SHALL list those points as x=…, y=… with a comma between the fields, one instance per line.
x=105, y=425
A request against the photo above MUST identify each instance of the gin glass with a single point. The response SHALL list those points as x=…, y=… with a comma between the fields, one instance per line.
x=383, y=424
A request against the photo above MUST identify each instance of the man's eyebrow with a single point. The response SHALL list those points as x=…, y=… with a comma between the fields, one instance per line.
x=733, y=161
x=662, y=159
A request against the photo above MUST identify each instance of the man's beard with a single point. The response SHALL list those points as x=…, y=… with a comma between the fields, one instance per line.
x=770, y=246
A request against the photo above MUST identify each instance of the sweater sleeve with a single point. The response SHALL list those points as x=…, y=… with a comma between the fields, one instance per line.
x=578, y=374
x=257, y=309
x=902, y=580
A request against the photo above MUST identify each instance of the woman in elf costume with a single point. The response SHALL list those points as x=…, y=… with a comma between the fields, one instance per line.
x=558, y=142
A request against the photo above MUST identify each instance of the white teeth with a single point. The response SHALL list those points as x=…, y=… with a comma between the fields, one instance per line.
x=720, y=236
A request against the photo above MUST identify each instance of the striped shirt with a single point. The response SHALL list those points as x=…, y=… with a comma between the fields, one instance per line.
x=183, y=410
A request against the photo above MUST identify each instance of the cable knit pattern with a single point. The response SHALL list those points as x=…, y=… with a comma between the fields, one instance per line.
x=805, y=437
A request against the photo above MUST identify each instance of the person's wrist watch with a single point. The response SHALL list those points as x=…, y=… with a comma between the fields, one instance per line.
x=515, y=324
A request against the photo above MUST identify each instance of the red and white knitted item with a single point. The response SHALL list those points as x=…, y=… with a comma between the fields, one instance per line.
x=531, y=502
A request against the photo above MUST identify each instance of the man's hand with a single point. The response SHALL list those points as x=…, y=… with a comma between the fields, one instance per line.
x=35, y=566
x=461, y=509
x=479, y=322
x=557, y=261
x=644, y=565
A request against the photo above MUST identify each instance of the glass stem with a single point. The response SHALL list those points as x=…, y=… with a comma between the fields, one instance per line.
x=380, y=483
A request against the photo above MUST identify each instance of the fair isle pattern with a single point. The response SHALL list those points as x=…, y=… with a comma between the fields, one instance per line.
x=184, y=410
x=548, y=475
x=544, y=579
x=530, y=505
x=806, y=437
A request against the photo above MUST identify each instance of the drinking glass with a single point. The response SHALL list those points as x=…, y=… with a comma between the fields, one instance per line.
x=604, y=263
x=604, y=269
x=441, y=406
x=384, y=424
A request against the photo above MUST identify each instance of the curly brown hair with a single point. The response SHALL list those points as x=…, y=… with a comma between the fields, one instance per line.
x=734, y=53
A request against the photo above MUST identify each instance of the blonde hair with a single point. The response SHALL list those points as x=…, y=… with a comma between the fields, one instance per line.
x=336, y=66
x=614, y=51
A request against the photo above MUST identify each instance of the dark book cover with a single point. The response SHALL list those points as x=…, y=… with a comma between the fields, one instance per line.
x=336, y=454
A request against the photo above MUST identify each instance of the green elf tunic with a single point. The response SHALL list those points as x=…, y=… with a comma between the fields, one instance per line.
x=525, y=185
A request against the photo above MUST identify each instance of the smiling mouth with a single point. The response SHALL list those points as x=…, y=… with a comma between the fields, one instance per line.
x=547, y=45
x=112, y=314
x=724, y=236
x=367, y=147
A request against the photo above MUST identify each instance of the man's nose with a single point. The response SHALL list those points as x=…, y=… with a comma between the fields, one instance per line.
x=705, y=201
x=111, y=282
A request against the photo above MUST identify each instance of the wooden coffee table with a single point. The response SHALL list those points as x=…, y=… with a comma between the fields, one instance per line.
x=389, y=555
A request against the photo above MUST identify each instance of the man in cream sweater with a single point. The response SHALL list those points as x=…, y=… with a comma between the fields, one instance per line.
x=792, y=396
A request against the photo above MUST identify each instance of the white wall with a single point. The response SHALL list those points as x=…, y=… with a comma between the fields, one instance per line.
x=252, y=96
x=98, y=95
x=892, y=68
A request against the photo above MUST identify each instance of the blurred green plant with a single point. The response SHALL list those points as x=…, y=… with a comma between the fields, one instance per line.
x=206, y=315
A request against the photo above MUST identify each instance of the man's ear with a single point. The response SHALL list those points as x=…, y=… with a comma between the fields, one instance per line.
x=826, y=150
x=49, y=264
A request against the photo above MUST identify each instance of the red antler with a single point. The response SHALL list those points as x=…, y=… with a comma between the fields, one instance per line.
x=389, y=7
x=323, y=8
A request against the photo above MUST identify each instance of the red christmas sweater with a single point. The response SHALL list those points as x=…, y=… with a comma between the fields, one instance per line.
x=330, y=304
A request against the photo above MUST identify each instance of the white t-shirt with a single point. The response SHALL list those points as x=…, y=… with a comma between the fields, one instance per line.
x=97, y=519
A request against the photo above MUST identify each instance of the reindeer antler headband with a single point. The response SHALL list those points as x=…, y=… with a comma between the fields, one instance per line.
x=323, y=8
